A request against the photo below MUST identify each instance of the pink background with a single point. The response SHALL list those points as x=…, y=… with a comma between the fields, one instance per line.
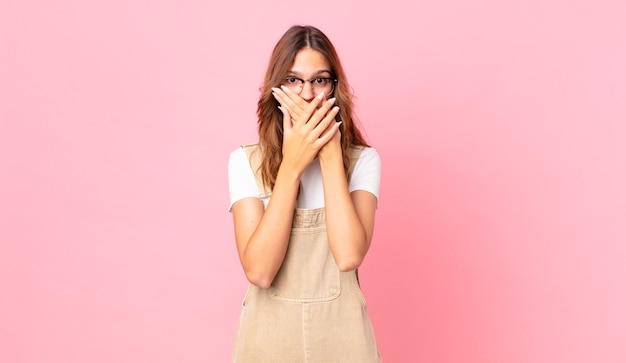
x=501, y=231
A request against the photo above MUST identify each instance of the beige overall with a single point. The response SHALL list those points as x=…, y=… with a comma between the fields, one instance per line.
x=312, y=312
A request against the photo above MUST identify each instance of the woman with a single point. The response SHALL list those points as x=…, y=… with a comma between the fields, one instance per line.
x=303, y=202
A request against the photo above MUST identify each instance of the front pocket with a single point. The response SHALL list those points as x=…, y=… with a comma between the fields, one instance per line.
x=309, y=272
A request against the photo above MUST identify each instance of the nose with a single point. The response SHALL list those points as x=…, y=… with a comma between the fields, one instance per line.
x=307, y=92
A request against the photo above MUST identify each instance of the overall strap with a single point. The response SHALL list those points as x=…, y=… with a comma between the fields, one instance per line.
x=354, y=151
x=253, y=152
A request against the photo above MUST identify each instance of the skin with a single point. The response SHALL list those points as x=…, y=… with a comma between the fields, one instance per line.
x=262, y=234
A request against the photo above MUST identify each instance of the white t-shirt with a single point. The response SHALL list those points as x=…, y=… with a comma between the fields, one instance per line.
x=242, y=184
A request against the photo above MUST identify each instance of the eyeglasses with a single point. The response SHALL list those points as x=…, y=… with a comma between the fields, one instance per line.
x=318, y=84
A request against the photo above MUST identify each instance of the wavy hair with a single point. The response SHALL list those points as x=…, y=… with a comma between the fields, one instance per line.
x=271, y=119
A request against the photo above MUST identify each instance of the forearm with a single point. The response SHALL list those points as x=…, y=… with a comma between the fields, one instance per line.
x=266, y=248
x=263, y=235
x=347, y=236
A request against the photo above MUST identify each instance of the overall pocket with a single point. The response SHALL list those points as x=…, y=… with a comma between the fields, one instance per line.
x=309, y=272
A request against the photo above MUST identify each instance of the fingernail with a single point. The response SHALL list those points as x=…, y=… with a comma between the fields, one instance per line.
x=275, y=89
x=321, y=95
x=284, y=88
x=336, y=108
x=339, y=123
x=275, y=94
x=332, y=100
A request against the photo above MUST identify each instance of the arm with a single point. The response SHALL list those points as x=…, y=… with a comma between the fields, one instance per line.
x=349, y=216
x=262, y=236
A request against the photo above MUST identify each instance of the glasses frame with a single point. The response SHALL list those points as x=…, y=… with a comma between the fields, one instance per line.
x=303, y=81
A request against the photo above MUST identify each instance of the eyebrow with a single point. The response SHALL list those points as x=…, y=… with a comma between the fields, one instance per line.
x=314, y=74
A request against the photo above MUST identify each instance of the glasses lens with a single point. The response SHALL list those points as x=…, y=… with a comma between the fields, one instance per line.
x=322, y=85
x=331, y=86
x=294, y=84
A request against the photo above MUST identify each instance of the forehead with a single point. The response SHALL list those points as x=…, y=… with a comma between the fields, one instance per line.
x=309, y=61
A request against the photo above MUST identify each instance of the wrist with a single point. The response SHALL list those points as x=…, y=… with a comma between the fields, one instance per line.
x=289, y=173
x=331, y=155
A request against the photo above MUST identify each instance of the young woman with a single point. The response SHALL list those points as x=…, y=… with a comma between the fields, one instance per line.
x=303, y=202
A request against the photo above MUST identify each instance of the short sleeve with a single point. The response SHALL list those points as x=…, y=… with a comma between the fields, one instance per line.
x=241, y=181
x=366, y=172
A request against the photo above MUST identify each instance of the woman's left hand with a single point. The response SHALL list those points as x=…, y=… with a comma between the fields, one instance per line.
x=333, y=147
x=296, y=105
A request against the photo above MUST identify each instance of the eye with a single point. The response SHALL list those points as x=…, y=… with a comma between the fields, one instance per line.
x=320, y=81
x=292, y=80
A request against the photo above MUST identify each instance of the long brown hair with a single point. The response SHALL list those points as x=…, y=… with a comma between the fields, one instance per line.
x=271, y=118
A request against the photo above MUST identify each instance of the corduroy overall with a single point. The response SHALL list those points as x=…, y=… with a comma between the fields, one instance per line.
x=312, y=312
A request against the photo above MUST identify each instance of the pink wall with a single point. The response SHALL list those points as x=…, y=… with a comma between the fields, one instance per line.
x=501, y=229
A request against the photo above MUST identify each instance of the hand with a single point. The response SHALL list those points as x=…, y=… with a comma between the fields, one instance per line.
x=333, y=147
x=295, y=104
x=303, y=138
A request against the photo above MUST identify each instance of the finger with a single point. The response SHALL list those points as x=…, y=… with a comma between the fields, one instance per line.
x=278, y=96
x=326, y=122
x=289, y=97
x=310, y=108
x=299, y=101
x=322, y=112
x=329, y=133
x=294, y=107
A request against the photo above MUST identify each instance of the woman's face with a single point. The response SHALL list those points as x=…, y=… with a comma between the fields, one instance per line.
x=311, y=67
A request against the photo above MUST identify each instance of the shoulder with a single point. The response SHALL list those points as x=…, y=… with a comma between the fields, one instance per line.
x=368, y=156
x=241, y=180
x=366, y=173
x=369, y=152
x=237, y=158
x=241, y=154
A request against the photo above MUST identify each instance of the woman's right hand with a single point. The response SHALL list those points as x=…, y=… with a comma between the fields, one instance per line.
x=263, y=233
x=304, y=137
